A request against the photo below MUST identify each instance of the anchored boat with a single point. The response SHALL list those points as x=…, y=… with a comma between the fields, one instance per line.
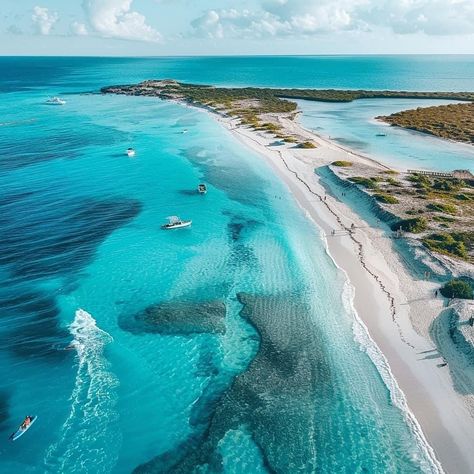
x=202, y=189
x=174, y=222
x=130, y=152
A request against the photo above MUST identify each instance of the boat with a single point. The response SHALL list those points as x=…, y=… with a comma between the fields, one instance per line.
x=130, y=152
x=55, y=101
x=202, y=189
x=174, y=222
x=380, y=135
x=23, y=429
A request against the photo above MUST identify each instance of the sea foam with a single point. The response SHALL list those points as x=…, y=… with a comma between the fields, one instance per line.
x=428, y=462
x=92, y=419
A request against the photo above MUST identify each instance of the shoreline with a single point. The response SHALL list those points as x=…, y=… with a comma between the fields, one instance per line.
x=377, y=274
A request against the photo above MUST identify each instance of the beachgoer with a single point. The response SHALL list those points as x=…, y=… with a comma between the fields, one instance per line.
x=26, y=422
x=436, y=294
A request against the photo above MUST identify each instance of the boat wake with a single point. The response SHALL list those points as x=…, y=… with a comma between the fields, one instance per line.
x=90, y=425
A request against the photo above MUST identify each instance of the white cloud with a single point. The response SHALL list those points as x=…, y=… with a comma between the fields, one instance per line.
x=433, y=17
x=43, y=20
x=78, y=29
x=310, y=17
x=116, y=19
x=236, y=23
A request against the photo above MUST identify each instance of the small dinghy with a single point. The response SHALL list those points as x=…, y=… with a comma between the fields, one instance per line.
x=130, y=152
x=24, y=427
x=202, y=189
x=174, y=222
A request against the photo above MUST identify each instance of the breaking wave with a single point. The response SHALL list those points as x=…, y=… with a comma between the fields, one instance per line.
x=89, y=438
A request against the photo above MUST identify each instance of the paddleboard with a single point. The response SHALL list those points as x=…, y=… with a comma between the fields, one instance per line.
x=22, y=431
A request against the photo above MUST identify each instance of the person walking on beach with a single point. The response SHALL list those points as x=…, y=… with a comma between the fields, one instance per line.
x=436, y=294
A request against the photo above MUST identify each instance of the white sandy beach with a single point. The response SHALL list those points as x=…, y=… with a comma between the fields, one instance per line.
x=396, y=308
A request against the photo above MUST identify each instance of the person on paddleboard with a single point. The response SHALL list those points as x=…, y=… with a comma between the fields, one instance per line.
x=27, y=422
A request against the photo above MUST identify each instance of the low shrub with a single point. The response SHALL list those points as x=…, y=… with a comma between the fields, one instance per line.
x=366, y=182
x=307, y=145
x=439, y=207
x=393, y=182
x=443, y=219
x=419, y=180
x=386, y=198
x=457, y=289
x=447, y=184
x=450, y=244
x=414, y=225
x=342, y=163
x=462, y=197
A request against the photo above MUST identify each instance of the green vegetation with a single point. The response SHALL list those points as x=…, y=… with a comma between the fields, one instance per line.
x=448, y=184
x=369, y=183
x=269, y=127
x=342, y=163
x=457, y=289
x=420, y=181
x=454, y=121
x=443, y=219
x=454, y=244
x=386, y=198
x=463, y=197
x=414, y=225
x=439, y=207
x=393, y=182
x=307, y=144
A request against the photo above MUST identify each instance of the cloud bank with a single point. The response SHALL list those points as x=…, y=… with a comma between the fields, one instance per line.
x=313, y=17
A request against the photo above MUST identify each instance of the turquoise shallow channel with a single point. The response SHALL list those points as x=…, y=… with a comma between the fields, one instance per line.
x=230, y=346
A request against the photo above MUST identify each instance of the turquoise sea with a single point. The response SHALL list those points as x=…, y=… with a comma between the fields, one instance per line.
x=228, y=347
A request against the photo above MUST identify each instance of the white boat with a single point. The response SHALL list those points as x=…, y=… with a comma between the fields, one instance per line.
x=55, y=101
x=202, y=189
x=174, y=222
x=130, y=152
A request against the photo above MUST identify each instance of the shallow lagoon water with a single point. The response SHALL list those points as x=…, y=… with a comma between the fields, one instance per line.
x=353, y=126
x=83, y=259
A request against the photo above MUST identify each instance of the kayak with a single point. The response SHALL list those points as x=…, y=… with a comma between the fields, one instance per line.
x=21, y=431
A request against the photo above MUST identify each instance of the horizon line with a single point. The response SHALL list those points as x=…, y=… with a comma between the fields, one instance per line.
x=227, y=55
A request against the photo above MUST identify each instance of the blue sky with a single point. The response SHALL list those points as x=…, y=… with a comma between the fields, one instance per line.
x=214, y=27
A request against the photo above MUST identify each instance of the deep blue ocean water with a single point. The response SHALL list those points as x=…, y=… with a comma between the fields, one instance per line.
x=227, y=347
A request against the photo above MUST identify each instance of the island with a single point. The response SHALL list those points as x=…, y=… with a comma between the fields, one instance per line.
x=452, y=122
x=251, y=104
